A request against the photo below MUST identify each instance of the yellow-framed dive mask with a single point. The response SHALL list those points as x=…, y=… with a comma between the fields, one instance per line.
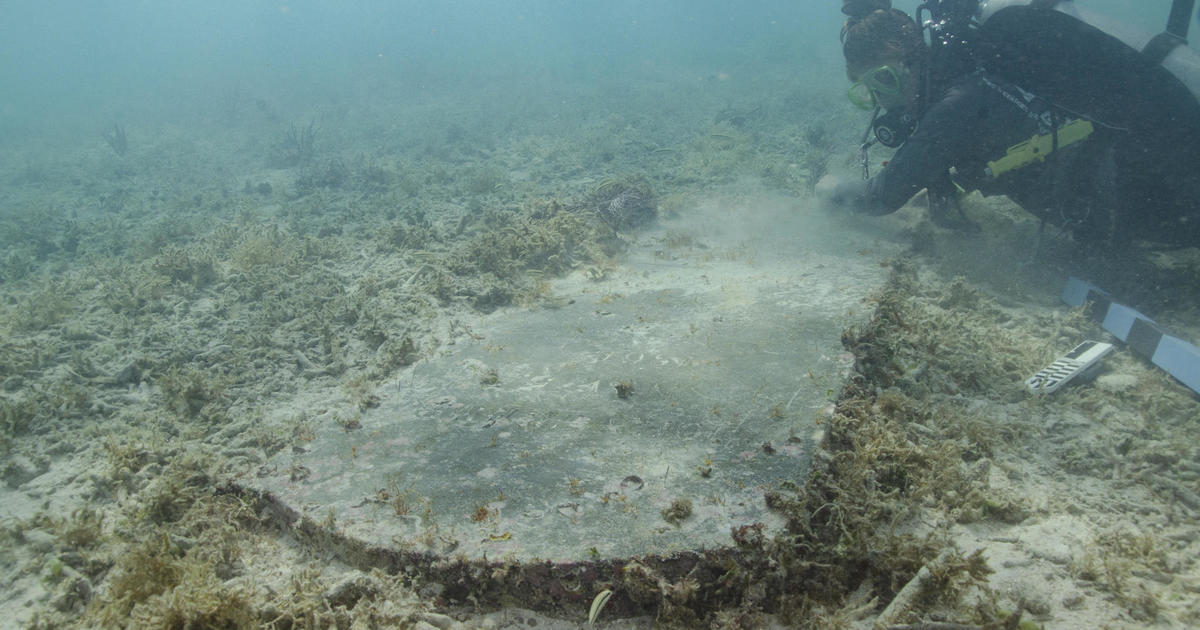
x=880, y=81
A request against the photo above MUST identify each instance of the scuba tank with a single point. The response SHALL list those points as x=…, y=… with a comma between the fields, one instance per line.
x=1087, y=62
x=949, y=31
x=1144, y=87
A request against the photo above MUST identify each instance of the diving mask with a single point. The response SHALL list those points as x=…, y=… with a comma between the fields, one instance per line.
x=876, y=87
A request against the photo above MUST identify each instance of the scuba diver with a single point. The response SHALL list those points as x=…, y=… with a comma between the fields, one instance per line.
x=1035, y=100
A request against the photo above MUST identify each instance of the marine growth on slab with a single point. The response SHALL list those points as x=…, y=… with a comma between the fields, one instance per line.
x=645, y=414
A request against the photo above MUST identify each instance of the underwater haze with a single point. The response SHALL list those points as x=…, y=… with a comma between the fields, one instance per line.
x=249, y=240
x=482, y=314
x=67, y=61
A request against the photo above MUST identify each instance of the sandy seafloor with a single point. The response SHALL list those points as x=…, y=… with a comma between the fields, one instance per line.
x=173, y=316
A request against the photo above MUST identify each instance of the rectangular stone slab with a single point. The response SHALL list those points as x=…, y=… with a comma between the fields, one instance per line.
x=521, y=440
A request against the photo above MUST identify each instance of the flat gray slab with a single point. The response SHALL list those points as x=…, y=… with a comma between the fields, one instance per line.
x=515, y=441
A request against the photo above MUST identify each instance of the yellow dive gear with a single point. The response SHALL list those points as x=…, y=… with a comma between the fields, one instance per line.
x=1038, y=147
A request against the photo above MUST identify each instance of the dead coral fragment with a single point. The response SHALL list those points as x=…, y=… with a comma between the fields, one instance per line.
x=193, y=265
x=192, y=392
x=84, y=530
x=199, y=601
x=147, y=569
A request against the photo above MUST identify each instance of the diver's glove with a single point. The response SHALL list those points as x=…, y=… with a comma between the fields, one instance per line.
x=858, y=8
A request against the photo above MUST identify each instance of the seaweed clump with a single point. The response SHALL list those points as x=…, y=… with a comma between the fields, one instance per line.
x=679, y=511
x=510, y=254
x=891, y=452
x=295, y=147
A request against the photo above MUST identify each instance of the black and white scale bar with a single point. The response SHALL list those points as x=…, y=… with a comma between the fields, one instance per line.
x=1174, y=355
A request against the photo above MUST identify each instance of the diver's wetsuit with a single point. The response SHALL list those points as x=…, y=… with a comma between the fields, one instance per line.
x=973, y=123
x=1134, y=177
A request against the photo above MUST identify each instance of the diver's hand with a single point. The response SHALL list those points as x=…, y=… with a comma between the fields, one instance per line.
x=838, y=195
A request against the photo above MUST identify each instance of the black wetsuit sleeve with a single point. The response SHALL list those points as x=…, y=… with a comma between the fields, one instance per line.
x=968, y=122
x=900, y=180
